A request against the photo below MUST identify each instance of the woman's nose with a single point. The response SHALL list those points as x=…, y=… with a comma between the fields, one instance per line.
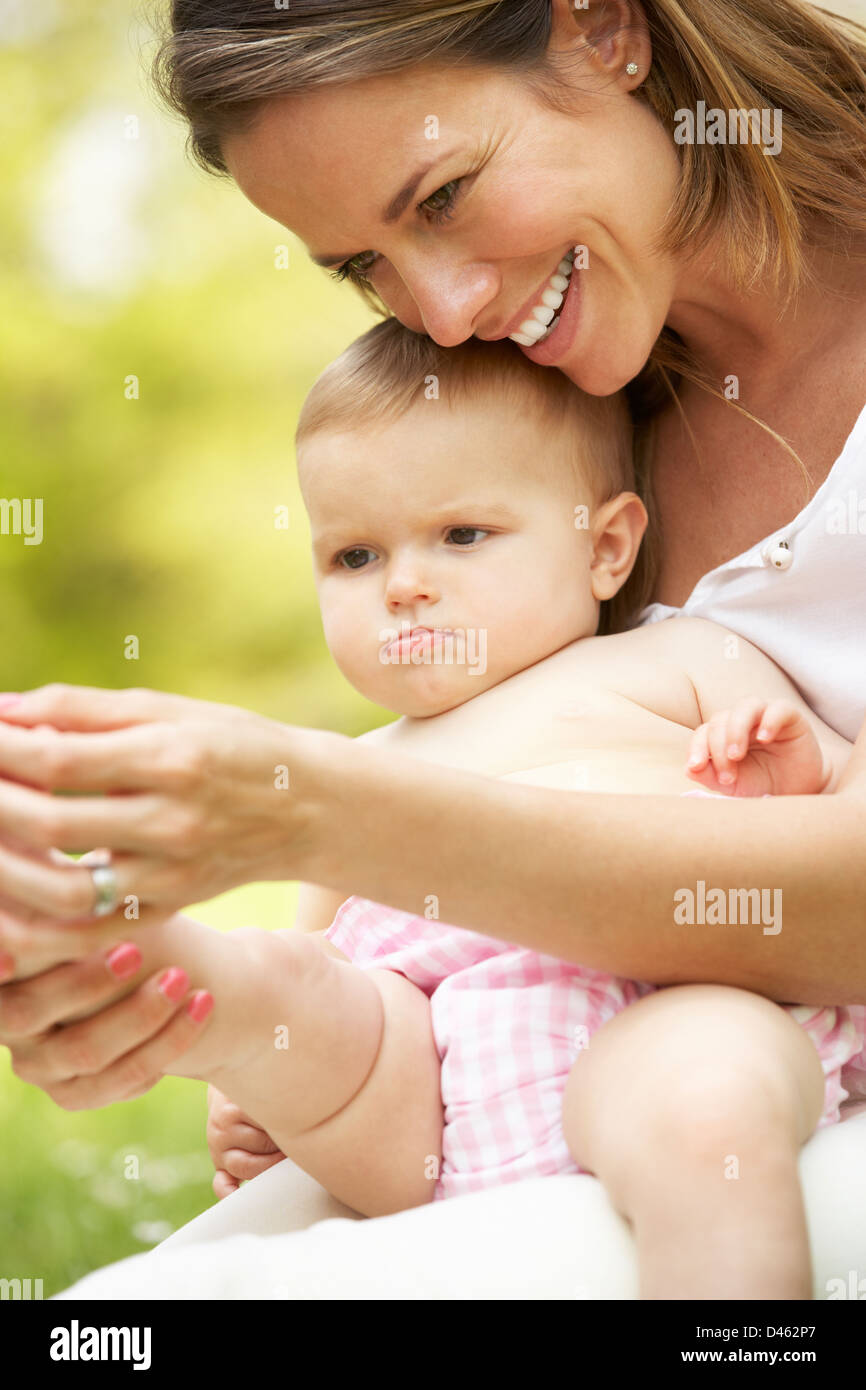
x=444, y=300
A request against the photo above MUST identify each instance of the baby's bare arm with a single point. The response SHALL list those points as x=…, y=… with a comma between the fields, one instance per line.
x=724, y=669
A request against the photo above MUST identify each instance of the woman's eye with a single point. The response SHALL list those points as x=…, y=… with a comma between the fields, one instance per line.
x=356, y=267
x=467, y=534
x=441, y=203
x=353, y=559
x=439, y=207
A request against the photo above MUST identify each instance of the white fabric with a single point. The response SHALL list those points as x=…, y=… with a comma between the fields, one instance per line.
x=811, y=617
x=546, y=1238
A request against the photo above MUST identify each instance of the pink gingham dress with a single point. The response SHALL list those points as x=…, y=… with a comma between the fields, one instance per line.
x=508, y=1025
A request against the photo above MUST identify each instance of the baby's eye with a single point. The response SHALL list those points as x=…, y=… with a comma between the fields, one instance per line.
x=353, y=559
x=466, y=534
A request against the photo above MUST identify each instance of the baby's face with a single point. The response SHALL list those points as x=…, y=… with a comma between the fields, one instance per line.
x=448, y=552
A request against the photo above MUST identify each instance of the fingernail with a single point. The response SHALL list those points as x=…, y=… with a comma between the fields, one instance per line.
x=7, y=966
x=124, y=960
x=733, y=750
x=763, y=734
x=200, y=1005
x=694, y=762
x=7, y=701
x=726, y=776
x=174, y=984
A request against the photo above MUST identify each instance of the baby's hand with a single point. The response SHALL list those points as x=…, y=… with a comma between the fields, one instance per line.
x=239, y=1148
x=758, y=748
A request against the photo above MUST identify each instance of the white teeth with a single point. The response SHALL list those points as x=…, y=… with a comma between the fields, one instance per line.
x=542, y=321
x=531, y=328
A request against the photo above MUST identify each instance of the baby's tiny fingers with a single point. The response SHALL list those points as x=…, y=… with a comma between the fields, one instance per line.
x=777, y=714
x=699, y=751
x=741, y=723
x=224, y=1184
x=251, y=1138
x=717, y=738
x=244, y=1166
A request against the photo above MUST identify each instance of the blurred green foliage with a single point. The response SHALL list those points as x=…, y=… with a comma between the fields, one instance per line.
x=119, y=258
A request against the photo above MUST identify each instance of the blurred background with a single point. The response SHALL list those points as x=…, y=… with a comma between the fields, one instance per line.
x=153, y=359
x=118, y=260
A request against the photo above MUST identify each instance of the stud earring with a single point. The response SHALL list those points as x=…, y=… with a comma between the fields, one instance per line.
x=631, y=69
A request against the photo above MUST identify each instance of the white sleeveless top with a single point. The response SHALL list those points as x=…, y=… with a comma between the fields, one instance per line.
x=803, y=602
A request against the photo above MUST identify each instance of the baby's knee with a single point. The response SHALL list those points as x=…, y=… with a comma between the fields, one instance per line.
x=687, y=1078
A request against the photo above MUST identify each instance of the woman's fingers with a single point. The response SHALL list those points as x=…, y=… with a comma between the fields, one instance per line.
x=215, y=813
x=44, y=757
x=32, y=1006
x=138, y=1070
x=92, y=1044
x=119, y=1052
x=34, y=942
x=89, y=709
x=67, y=893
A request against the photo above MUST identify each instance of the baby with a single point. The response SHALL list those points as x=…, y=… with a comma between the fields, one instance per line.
x=470, y=513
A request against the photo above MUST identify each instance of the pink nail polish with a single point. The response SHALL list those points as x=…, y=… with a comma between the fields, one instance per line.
x=7, y=966
x=7, y=701
x=174, y=984
x=124, y=960
x=200, y=1005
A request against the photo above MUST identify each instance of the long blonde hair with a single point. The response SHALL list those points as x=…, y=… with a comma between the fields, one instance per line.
x=222, y=59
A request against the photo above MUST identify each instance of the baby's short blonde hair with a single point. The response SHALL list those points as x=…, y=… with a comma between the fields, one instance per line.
x=389, y=368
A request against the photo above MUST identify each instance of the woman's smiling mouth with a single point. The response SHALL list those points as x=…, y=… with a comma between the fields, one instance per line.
x=542, y=318
x=538, y=316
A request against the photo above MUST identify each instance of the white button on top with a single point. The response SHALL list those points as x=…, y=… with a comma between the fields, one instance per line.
x=778, y=554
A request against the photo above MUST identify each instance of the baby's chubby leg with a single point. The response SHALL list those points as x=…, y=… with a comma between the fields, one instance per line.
x=691, y=1107
x=337, y=1064
x=381, y=1151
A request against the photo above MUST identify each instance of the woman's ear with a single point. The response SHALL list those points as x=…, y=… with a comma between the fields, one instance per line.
x=617, y=532
x=608, y=33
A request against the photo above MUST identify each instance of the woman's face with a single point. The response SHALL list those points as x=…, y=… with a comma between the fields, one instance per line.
x=457, y=193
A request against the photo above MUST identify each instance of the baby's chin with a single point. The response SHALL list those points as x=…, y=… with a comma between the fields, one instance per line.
x=421, y=692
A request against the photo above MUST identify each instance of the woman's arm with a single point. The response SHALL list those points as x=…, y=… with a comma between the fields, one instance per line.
x=591, y=877
x=588, y=877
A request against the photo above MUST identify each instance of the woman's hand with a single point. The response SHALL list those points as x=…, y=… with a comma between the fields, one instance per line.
x=116, y=1054
x=240, y=1149
x=200, y=797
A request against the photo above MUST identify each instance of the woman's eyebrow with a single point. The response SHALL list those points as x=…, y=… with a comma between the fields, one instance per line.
x=395, y=208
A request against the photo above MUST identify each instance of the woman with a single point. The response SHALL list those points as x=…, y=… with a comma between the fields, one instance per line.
x=449, y=188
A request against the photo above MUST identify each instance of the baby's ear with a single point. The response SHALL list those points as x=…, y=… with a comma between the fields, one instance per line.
x=617, y=533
